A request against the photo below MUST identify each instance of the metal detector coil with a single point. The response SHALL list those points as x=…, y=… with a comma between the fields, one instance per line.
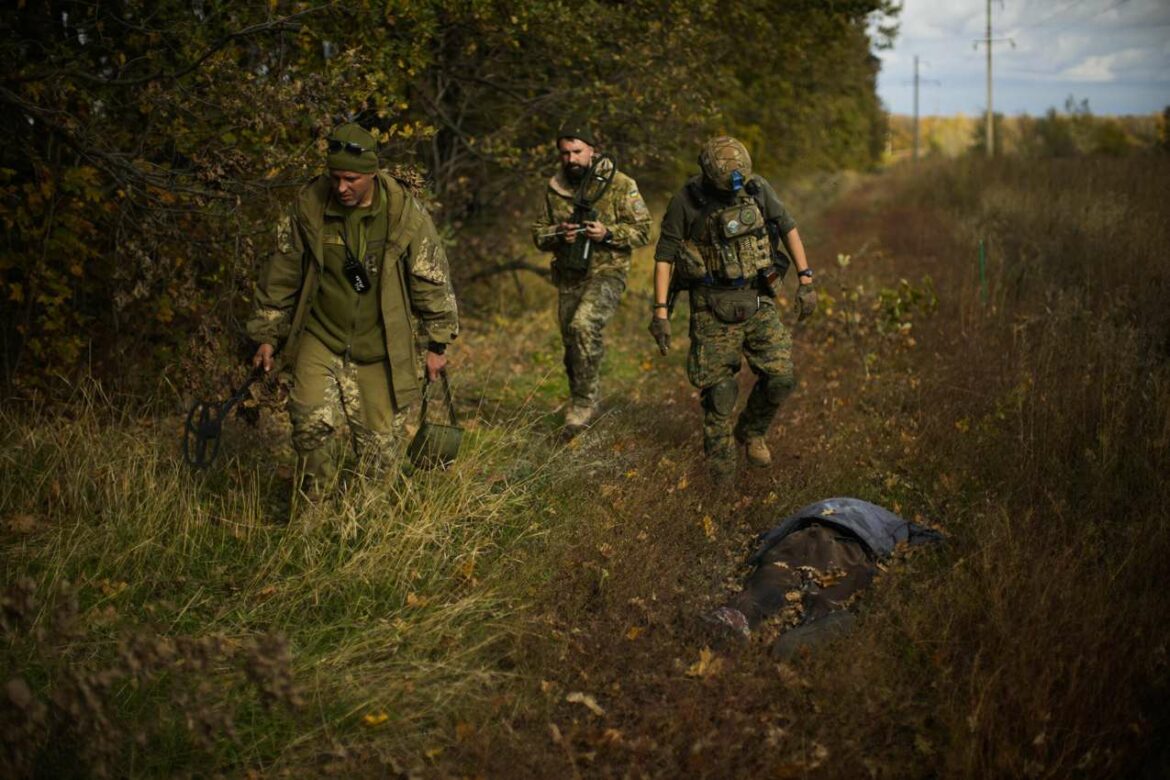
x=204, y=424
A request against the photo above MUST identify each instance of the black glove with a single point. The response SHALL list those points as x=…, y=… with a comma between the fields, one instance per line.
x=660, y=330
x=806, y=301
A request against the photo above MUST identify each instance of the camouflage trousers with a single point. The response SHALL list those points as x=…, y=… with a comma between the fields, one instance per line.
x=583, y=308
x=327, y=390
x=717, y=352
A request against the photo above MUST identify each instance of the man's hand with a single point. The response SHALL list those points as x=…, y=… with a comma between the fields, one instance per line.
x=435, y=365
x=660, y=330
x=595, y=231
x=263, y=357
x=806, y=300
x=568, y=231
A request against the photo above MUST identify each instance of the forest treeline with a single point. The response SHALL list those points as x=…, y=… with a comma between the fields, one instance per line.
x=1072, y=132
x=149, y=145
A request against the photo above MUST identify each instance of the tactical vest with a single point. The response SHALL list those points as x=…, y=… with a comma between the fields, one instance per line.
x=731, y=237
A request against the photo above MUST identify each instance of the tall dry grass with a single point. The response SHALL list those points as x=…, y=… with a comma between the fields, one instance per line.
x=1039, y=402
x=159, y=621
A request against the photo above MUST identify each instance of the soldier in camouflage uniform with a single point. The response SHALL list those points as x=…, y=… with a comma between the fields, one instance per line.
x=734, y=222
x=359, y=270
x=587, y=297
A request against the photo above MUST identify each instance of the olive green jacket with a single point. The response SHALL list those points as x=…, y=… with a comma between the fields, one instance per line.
x=621, y=209
x=414, y=283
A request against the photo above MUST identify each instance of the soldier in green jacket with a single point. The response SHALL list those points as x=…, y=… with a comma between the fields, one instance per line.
x=733, y=222
x=359, y=277
x=588, y=296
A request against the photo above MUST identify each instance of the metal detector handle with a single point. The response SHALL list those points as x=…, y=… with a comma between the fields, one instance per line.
x=446, y=395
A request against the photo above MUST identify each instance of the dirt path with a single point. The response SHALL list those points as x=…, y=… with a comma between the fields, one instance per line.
x=632, y=682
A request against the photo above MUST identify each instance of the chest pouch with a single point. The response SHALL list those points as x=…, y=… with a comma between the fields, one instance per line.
x=733, y=228
x=355, y=274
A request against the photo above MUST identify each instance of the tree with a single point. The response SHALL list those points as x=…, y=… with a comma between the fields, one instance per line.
x=150, y=144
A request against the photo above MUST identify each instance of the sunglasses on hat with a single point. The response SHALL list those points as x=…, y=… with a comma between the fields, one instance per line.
x=349, y=146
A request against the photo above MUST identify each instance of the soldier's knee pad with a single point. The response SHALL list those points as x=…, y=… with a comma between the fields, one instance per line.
x=778, y=386
x=720, y=398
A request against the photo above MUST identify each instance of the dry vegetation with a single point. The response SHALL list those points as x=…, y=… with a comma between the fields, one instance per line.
x=534, y=611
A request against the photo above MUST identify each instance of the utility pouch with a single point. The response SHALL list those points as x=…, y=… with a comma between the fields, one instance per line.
x=740, y=220
x=435, y=445
x=577, y=259
x=355, y=274
x=732, y=306
x=769, y=280
x=581, y=250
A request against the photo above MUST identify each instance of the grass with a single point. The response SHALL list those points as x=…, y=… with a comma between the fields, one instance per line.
x=169, y=623
x=386, y=596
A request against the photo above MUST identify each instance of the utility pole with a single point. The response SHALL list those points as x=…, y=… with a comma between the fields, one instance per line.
x=917, y=82
x=990, y=129
x=988, y=41
x=915, y=108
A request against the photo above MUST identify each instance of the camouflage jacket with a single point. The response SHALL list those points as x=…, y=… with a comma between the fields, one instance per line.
x=416, y=299
x=621, y=209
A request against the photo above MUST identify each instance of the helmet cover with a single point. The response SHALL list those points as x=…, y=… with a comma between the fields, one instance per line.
x=723, y=156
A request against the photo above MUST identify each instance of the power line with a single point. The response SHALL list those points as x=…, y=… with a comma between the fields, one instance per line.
x=1052, y=15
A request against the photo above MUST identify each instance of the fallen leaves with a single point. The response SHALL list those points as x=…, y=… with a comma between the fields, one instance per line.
x=24, y=524
x=708, y=665
x=586, y=701
x=633, y=632
x=708, y=527
x=374, y=719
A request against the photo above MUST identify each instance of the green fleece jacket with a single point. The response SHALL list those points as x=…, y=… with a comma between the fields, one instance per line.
x=413, y=284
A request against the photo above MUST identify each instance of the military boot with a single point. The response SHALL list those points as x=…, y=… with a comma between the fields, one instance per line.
x=578, y=417
x=729, y=622
x=758, y=453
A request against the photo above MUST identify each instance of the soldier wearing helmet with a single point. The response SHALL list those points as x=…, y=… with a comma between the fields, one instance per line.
x=721, y=239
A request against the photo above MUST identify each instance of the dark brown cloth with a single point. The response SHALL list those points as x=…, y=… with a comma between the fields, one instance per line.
x=824, y=566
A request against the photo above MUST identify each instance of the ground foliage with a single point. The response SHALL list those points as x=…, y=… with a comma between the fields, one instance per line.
x=149, y=145
x=535, y=610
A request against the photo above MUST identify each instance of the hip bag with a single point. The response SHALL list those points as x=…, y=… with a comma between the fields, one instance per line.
x=731, y=306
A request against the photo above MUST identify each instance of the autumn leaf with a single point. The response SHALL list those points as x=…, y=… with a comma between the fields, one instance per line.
x=373, y=719
x=585, y=700
x=708, y=665
x=708, y=527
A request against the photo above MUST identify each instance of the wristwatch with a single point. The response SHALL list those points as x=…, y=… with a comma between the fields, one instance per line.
x=806, y=273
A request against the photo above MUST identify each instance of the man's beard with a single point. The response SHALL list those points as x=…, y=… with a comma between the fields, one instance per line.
x=574, y=173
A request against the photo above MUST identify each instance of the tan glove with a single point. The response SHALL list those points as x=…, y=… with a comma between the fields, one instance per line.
x=806, y=301
x=660, y=330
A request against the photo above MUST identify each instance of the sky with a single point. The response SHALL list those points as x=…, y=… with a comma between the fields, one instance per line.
x=1115, y=53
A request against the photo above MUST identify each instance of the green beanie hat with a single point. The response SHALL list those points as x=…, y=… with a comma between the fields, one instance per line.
x=352, y=148
x=577, y=127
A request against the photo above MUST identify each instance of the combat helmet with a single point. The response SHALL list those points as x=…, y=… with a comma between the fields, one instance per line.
x=721, y=158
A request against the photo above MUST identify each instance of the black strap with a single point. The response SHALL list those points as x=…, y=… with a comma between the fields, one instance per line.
x=446, y=394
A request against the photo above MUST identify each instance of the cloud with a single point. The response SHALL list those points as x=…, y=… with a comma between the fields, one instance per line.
x=1103, y=44
x=1107, y=67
